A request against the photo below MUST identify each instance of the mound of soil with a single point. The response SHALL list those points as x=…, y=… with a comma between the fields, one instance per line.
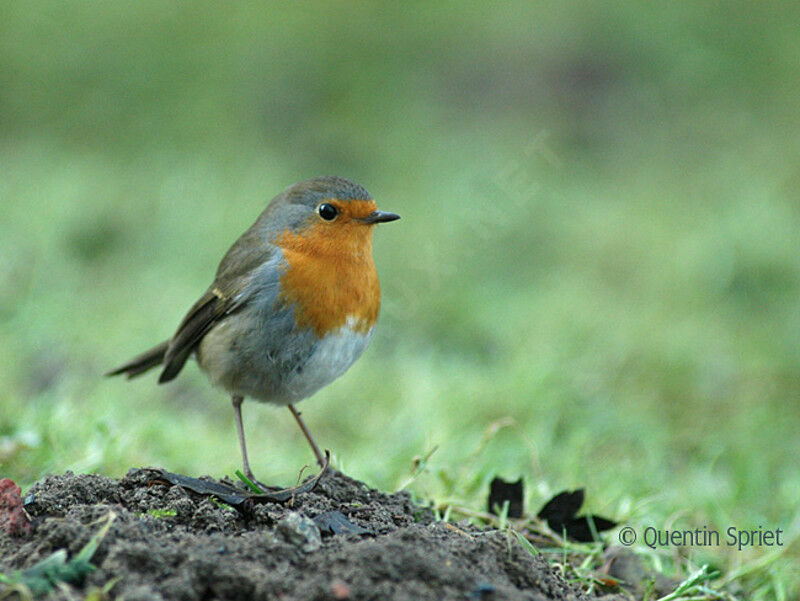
x=340, y=541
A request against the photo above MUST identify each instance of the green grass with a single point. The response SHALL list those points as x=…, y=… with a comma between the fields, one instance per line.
x=598, y=250
x=47, y=575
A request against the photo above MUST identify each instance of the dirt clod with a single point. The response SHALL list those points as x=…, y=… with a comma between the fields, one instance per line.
x=170, y=543
x=13, y=520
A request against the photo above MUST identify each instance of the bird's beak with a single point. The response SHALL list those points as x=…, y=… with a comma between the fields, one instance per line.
x=379, y=217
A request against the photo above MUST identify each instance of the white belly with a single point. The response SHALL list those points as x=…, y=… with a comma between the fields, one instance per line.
x=332, y=356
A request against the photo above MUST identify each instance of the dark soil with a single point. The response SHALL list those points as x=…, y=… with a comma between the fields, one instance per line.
x=171, y=543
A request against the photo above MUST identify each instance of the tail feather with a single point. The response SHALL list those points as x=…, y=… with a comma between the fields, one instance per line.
x=141, y=363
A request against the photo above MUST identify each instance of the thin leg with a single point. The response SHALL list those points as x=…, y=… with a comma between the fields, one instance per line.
x=309, y=438
x=237, y=410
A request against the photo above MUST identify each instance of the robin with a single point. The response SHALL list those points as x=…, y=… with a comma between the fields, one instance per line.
x=294, y=302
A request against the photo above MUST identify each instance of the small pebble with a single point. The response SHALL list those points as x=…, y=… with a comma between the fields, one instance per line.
x=300, y=531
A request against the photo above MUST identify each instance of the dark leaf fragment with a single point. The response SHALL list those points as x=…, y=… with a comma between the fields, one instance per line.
x=563, y=507
x=560, y=513
x=501, y=491
x=334, y=522
x=234, y=496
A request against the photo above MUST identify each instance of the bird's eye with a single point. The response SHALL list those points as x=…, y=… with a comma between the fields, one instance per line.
x=327, y=211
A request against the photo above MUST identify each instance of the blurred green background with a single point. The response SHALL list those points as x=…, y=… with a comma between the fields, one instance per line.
x=595, y=282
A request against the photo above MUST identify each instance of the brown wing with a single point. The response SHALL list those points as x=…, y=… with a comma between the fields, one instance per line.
x=229, y=292
x=208, y=310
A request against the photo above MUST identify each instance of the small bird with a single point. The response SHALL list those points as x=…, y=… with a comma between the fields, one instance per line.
x=294, y=302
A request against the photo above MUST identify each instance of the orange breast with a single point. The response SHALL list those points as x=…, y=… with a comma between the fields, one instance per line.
x=331, y=275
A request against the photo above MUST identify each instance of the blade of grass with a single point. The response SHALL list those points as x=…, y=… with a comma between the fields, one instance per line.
x=527, y=544
x=248, y=482
x=694, y=580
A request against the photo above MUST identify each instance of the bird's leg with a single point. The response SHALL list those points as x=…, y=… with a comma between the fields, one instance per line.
x=237, y=410
x=307, y=434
